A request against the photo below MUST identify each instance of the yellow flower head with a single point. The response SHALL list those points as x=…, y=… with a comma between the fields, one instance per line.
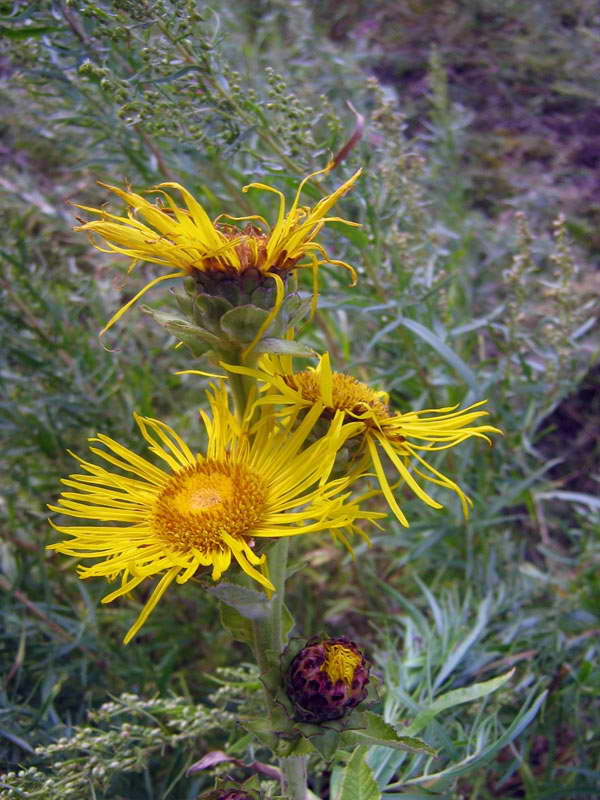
x=202, y=510
x=403, y=437
x=184, y=238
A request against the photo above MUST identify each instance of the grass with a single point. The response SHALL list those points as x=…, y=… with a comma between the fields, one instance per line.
x=459, y=298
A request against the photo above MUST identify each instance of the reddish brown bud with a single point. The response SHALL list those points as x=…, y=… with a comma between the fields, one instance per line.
x=327, y=679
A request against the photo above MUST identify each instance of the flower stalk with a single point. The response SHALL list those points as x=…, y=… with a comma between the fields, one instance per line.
x=294, y=775
x=267, y=643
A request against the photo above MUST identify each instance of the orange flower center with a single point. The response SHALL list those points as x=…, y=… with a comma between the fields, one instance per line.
x=200, y=503
x=348, y=394
x=250, y=245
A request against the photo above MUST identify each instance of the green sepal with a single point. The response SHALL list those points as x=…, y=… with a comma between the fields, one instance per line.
x=207, y=310
x=242, y=324
x=263, y=296
x=198, y=339
x=291, y=748
x=326, y=741
x=261, y=728
x=232, y=291
x=185, y=303
x=371, y=729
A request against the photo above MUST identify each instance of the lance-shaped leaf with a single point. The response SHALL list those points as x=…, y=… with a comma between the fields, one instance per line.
x=358, y=782
x=375, y=730
x=247, y=602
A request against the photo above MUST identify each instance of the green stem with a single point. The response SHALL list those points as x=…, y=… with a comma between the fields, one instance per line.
x=240, y=388
x=268, y=641
x=293, y=771
x=241, y=385
x=278, y=569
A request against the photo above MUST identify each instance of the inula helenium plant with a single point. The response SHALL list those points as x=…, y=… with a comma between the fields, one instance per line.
x=285, y=450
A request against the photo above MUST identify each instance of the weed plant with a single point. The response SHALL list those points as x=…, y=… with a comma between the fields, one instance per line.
x=455, y=301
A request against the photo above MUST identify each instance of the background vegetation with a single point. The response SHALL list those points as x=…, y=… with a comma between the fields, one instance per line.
x=478, y=257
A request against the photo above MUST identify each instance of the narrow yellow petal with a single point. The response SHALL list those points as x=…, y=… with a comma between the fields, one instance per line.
x=158, y=592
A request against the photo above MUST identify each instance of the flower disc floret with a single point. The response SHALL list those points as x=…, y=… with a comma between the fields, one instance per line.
x=348, y=394
x=198, y=503
x=404, y=438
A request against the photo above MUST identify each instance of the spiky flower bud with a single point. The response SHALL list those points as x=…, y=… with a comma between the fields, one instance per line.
x=327, y=679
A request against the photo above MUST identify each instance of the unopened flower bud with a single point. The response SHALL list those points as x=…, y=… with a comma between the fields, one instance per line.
x=327, y=679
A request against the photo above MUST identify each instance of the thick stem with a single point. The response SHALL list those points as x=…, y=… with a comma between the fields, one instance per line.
x=242, y=386
x=278, y=569
x=268, y=641
x=267, y=632
x=293, y=771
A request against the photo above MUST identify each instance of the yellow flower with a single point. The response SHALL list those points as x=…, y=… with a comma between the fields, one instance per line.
x=187, y=240
x=204, y=510
x=402, y=437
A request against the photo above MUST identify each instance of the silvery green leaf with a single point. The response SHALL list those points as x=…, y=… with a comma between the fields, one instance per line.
x=247, y=602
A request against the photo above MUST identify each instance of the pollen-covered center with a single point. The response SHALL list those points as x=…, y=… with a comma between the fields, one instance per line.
x=249, y=243
x=340, y=663
x=348, y=393
x=201, y=503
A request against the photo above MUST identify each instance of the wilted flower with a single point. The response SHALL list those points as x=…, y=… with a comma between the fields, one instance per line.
x=185, y=238
x=402, y=437
x=205, y=510
x=327, y=679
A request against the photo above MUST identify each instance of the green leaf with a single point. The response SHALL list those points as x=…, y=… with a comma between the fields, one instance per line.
x=26, y=33
x=247, y=602
x=358, y=782
x=477, y=759
x=237, y=625
x=455, y=698
x=261, y=728
x=287, y=622
x=441, y=348
x=284, y=347
x=378, y=732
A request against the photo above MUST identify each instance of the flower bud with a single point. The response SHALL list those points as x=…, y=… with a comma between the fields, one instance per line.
x=327, y=679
